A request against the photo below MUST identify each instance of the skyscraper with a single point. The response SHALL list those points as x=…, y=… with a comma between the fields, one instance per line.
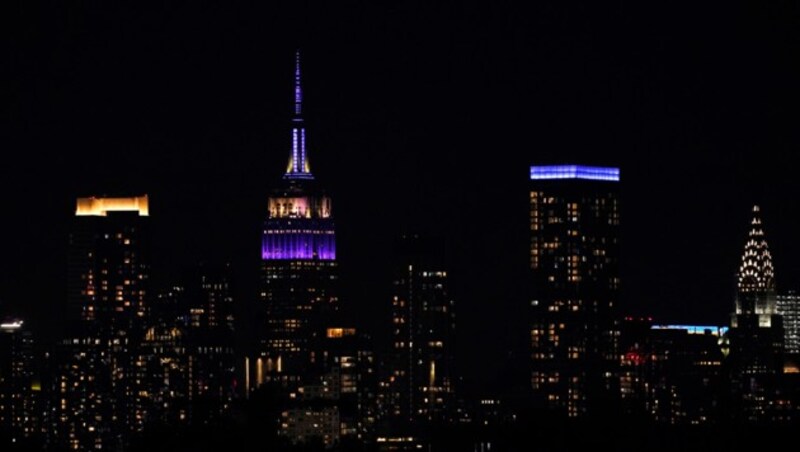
x=756, y=335
x=420, y=387
x=788, y=306
x=108, y=263
x=210, y=337
x=20, y=404
x=575, y=281
x=101, y=370
x=299, y=268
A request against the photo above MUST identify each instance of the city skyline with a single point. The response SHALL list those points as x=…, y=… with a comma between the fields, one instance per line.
x=206, y=144
x=495, y=228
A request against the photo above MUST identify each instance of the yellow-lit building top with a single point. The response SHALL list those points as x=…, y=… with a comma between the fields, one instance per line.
x=336, y=333
x=99, y=207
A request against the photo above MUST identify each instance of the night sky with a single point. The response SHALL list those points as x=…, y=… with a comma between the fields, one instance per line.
x=420, y=118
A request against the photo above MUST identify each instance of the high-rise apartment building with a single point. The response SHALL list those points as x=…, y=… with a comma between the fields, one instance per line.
x=99, y=392
x=20, y=390
x=108, y=263
x=575, y=284
x=420, y=386
x=788, y=306
x=209, y=328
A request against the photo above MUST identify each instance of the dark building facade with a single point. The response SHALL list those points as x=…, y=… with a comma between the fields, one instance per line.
x=575, y=283
x=419, y=389
x=299, y=268
x=671, y=374
x=166, y=353
x=756, y=334
x=349, y=362
x=189, y=349
x=209, y=327
x=337, y=407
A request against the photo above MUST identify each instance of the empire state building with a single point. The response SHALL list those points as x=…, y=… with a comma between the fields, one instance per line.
x=298, y=265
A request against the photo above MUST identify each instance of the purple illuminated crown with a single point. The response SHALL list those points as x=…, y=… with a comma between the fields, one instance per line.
x=300, y=227
x=305, y=244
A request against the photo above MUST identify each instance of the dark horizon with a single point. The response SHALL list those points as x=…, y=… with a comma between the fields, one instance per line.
x=420, y=118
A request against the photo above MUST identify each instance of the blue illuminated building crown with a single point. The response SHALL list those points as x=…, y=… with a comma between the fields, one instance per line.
x=554, y=172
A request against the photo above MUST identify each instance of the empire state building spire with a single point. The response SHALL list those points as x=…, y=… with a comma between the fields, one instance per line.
x=298, y=167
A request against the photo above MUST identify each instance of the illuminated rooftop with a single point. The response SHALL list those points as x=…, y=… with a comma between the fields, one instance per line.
x=694, y=329
x=551, y=172
x=336, y=333
x=99, y=207
x=11, y=325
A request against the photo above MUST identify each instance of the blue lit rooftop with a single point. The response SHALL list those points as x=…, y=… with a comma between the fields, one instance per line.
x=694, y=329
x=550, y=172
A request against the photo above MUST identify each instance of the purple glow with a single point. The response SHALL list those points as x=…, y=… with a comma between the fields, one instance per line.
x=294, y=150
x=298, y=166
x=298, y=90
x=303, y=150
x=575, y=172
x=305, y=245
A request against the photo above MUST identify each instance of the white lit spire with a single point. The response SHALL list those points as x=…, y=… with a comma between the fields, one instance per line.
x=756, y=273
x=298, y=167
x=756, y=284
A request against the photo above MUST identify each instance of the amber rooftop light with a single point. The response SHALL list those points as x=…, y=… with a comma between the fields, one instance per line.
x=99, y=207
x=335, y=333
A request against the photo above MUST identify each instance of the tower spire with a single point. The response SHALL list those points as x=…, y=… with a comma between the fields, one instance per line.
x=298, y=88
x=756, y=273
x=298, y=160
